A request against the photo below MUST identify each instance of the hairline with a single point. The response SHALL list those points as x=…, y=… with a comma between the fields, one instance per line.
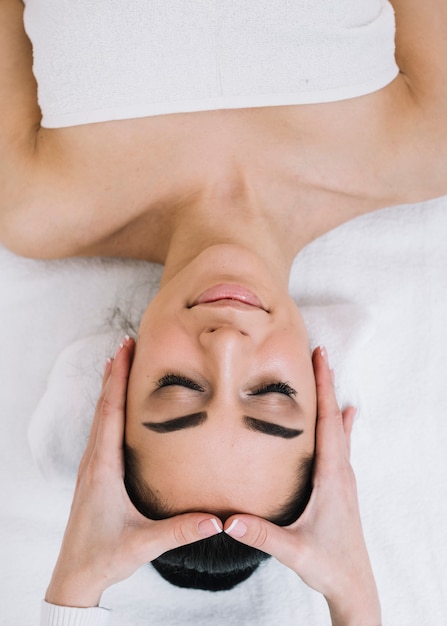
x=149, y=501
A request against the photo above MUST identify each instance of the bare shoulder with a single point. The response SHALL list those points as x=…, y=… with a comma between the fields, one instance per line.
x=90, y=190
x=414, y=134
x=29, y=199
x=420, y=121
x=421, y=48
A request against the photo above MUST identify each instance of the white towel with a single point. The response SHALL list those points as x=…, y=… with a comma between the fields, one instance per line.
x=108, y=59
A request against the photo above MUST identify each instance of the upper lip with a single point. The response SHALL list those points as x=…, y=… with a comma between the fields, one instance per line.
x=229, y=294
x=234, y=302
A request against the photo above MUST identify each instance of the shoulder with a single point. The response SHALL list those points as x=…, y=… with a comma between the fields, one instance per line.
x=421, y=48
x=39, y=217
x=414, y=129
x=421, y=53
x=413, y=135
x=73, y=194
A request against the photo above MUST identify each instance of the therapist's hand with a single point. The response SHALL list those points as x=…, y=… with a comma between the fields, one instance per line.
x=325, y=546
x=106, y=538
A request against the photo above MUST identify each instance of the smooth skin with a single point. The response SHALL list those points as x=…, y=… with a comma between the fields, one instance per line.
x=132, y=187
x=106, y=539
x=229, y=350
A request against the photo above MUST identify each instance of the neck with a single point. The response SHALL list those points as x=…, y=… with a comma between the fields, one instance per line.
x=238, y=224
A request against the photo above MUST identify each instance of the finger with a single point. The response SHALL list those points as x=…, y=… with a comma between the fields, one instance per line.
x=111, y=411
x=107, y=372
x=94, y=427
x=348, y=422
x=263, y=535
x=180, y=530
x=329, y=430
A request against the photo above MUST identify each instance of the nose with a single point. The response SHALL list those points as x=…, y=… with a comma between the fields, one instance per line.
x=221, y=329
x=227, y=346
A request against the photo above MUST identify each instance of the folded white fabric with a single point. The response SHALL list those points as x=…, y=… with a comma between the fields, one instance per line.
x=59, y=427
x=53, y=615
x=108, y=59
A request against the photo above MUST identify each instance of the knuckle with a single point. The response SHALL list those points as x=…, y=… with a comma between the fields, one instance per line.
x=260, y=537
x=100, y=402
x=94, y=470
x=107, y=408
x=181, y=535
x=90, y=473
x=338, y=416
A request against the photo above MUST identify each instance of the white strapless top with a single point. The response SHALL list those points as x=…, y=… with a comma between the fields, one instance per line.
x=99, y=60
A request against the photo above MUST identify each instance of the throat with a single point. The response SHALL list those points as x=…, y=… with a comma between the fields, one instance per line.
x=235, y=227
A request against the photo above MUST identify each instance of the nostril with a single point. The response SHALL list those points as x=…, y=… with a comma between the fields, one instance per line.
x=215, y=329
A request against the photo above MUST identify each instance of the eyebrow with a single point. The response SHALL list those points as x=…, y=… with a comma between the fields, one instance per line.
x=177, y=423
x=269, y=428
x=196, y=419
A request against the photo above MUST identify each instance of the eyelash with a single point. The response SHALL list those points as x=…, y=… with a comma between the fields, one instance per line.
x=174, y=379
x=169, y=380
x=279, y=387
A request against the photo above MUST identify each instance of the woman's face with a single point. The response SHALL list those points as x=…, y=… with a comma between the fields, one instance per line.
x=221, y=404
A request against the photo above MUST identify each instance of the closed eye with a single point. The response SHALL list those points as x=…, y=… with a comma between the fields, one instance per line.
x=278, y=387
x=170, y=380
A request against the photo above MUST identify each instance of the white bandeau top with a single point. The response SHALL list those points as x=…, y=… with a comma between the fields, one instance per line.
x=99, y=60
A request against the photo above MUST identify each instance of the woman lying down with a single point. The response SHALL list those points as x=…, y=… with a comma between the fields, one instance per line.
x=219, y=139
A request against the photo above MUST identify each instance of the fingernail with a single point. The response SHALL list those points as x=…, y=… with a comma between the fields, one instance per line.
x=209, y=527
x=237, y=528
x=122, y=344
x=324, y=354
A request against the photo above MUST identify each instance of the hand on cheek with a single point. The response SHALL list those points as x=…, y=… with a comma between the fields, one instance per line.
x=106, y=538
x=325, y=546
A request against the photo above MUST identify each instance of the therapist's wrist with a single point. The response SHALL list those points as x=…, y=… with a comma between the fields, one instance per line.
x=363, y=617
x=78, y=591
x=358, y=606
x=352, y=595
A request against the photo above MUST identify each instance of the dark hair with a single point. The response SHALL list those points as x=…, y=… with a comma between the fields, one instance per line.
x=217, y=563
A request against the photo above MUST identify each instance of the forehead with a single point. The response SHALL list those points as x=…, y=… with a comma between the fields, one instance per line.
x=223, y=489
x=228, y=471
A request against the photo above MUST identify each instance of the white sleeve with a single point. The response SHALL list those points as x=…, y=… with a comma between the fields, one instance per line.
x=53, y=615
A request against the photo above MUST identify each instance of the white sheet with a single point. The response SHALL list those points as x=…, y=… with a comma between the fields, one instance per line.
x=374, y=290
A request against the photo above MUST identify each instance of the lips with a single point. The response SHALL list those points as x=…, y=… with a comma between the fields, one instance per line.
x=228, y=292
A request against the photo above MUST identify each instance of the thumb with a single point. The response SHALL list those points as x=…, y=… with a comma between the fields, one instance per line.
x=258, y=533
x=173, y=532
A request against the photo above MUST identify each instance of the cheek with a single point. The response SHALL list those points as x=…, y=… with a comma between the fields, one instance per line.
x=289, y=352
x=162, y=340
x=160, y=348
